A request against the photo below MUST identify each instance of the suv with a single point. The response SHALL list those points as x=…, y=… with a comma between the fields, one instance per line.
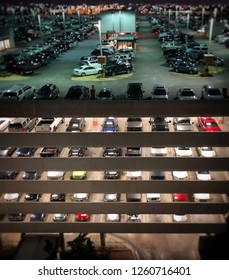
x=47, y=92
x=19, y=92
x=159, y=92
x=134, y=91
x=22, y=124
x=76, y=125
x=78, y=92
x=112, y=70
x=211, y=92
x=185, y=94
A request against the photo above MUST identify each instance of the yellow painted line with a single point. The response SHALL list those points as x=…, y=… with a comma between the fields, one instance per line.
x=13, y=77
x=99, y=78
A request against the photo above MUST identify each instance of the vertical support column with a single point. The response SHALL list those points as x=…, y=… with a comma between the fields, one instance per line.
x=103, y=241
x=62, y=241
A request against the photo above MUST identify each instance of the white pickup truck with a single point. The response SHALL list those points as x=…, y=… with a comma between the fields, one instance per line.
x=48, y=124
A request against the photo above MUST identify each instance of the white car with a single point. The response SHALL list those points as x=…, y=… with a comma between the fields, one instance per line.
x=58, y=175
x=134, y=175
x=180, y=175
x=92, y=63
x=206, y=152
x=113, y=218
x=183, y=151
x=11, y=196
x=180, y=218
x=201, y=196
x=158, y=151
x=150, y=197
x=203, y=175
x=80, y=196
x=4, y=122
x=85, y=70
x=133, y=218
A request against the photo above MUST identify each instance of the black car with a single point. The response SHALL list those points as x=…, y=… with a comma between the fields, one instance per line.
x=50, y=152
x=77, y=151
x=76, y=125
x=159, y=124
x=32, y=197
x=57, y=197
x=8, y=174
x=78, y=92
x=112, y=152
x=16, y=217
x=134, y=91
x=25, y=151
x=6, y=151
x=31, y=175
x=47, y=92
x=115, y=69
x=105, y=94
x=22, y=68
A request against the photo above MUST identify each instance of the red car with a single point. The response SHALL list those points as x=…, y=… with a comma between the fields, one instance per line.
x=82, y=217
x=180, y=197
x=97, y=52
x=208, y=124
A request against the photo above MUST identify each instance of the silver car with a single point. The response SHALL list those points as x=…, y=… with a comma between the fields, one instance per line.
x=183, y=124
x=80, y=196
x=19, y=92
x=110, y=197
x=113, y=218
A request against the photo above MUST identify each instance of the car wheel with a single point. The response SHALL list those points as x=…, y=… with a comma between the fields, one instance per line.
x=177, y=70
x=83, y=74
x=113, y=74
x=128, y=71
x=170, y=65
x=99, y=72
x=190, y=72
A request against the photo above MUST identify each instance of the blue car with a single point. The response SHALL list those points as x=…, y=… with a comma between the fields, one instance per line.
x=25, y=152
x=37, y=217
x=110, y=125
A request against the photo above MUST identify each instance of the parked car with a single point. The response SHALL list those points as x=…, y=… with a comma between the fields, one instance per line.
x=211, y=92
x=133, y=197
x=134, y=91
x=50, y=152
x=133, y=218
x=76, y=125
x=16, y=217
x=21, y=67
x=159, y=124
x=78, y=92
x=201, y=196
x=59, y=217
x=82, y=217
x=183, y=151
x=153, y=197
x=159, y=92
x=31, y=175
x=186, y=94
x=85, y=70
x=57, y=197
x=80, y=196
x=6, y=151
x=206, y=151
x=180, y=175
x=113, y=218
x=11, y=196
x=127, y=51
x=186, y=67
x=4, y=123
x=208, y=124
x=105, y=94
x=5, y=175
x=183, y=124
x=55, y=175
x=47, y=92
x=180, y=197
x=79, y=175
x=104, y=52
x=203, y=175
x=134, y=124
x=110, y=124
x=116, y=69
x=19, y=92
x=32, y=197
x=38, y=217
x=22, y=124
x=180, y=218
x=112, y=174
x=133, y=151
x=156, y=175
x=77, y=151
x=112, y=152
x=90, y=58
x=158, y=151
x=111, y=197
x=25, y=151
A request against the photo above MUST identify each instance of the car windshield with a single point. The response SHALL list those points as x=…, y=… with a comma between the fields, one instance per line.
x=214, y=92
x=160, y=91
x=44, y=91
x=109, y=124
x=211, y=124
x=187, y=93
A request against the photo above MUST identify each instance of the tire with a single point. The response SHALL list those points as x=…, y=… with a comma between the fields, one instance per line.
x=190, y=72
x=83, y=74
x=128, y=71
x=177, y=70
x=170, y=65
x=99, y=72
x=113, y=74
